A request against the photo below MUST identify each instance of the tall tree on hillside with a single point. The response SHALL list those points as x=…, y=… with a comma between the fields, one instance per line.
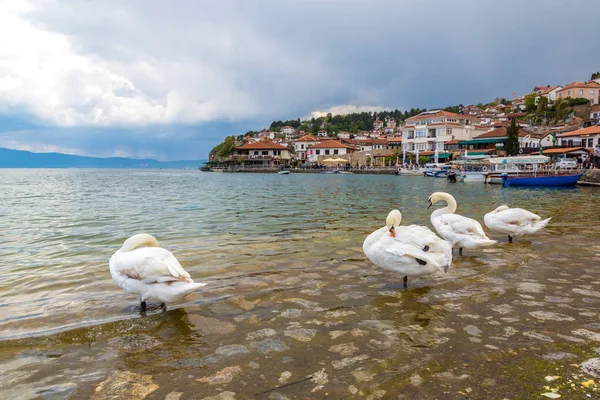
x=530, y=102
x=595, y=75
x=512, y=144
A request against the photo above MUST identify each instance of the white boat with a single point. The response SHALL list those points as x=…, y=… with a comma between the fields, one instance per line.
x=518, y=166
x=283, y=172
x=345, y=172
x=470, y=168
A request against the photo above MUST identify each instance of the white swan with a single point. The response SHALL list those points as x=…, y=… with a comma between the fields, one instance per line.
x=411, y=250
x=514, y=221
x=151, y=272
x=458, y=230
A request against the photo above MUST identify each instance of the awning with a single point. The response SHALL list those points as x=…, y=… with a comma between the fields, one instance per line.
x=440, y=155
x=486, y=140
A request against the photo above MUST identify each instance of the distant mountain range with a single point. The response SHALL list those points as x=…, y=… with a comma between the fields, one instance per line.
x=26, y=159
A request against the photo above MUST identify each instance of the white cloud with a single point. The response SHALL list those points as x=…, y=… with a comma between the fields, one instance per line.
x=344, y=109
x=112, y=63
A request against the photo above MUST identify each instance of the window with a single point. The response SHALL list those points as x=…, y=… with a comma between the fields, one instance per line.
x=591, y=101
x=335, y=151
x=256, y=153
x=580, y=91
x=317, y=152
x=440, y=145
x=326, y=152
x=449, y=131
x=302, y=146
x=265, y=152
x=592, y=92
x=568, y=92
x=420, y=133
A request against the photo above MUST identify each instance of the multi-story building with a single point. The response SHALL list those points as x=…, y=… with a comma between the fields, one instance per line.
x=471, y=110
x=264, y=153
x=549, y=92
x=377, y=125
x=431, y=129
x=289, y=132
x=328, y=148
x=301, y=146
x=588, y=90
x=587, y=137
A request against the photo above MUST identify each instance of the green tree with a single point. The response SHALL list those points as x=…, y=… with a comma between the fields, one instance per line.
x=541, y=111
x=595, y=75
x=530, y=102
x=577, y=101
x=226, y=148
x=561, y=109
x=512, y=143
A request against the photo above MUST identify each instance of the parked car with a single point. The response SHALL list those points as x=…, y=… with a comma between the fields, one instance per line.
x=565, y=163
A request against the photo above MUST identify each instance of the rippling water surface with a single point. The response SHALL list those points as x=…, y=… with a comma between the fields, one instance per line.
x=293, y=309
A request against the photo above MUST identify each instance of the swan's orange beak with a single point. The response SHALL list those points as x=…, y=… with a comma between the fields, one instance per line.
x=393, y=231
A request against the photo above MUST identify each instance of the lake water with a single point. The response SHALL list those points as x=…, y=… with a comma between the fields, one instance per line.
x=292, y=308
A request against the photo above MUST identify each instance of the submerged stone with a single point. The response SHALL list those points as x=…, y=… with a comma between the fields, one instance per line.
x=269, y=346
x=134, y=343
x=301, y=334
x=125, y=385
x=263, y=333
x=344, y=349
x=231, y=349
x=225, y=375
x=550, y=316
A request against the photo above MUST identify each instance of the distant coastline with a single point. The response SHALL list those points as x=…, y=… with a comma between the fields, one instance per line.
x=25, y=159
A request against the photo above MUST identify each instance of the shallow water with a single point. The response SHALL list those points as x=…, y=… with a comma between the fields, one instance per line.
x=293, y=309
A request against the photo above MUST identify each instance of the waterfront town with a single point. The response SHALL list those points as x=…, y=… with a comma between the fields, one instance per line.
x=552, y=120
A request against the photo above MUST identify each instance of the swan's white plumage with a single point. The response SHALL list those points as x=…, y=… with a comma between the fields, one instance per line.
x=402, y=252
x=514, y=221
x=460, y=231
x=152, y=273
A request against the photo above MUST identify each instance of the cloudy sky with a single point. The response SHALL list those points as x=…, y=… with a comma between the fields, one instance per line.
x=169, y=79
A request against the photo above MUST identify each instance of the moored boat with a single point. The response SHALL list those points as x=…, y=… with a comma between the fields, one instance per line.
x=330, y=171
x=541, y=180
x=284, y=172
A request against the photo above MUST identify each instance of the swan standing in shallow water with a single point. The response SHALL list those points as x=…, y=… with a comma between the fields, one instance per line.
x=151, y=272
x=458, y=230
x=514, y=221
x=411, y=250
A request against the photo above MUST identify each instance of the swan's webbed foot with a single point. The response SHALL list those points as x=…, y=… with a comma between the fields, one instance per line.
x=509, y=239
x=143, y=305
x=460, y=251
x=405, y=281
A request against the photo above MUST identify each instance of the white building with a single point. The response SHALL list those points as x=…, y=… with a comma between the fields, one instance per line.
x=343, y=135
x=322, y=133
x=537, y=140
x=587, y=137
x=288, y=131
x=549, y=92
x=431, y=129
x=328, y=148
x=264, y=153
x=377, y=125
x=301, y=146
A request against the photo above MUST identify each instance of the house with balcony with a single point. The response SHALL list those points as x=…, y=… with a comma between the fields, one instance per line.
x=586, y=137
x=490, y=142
x=395, y=143
x=377, y=125
x=328, y=148
x=322, y=133
x=264, y=154
x=549, y=92
x=588, y=90
x=535, y=140
x=301, y=146
x=471, y=110
x=289, y=132
x=430, y=130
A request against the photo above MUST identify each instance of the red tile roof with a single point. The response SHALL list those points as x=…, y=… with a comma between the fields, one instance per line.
x=562, y=150
x=595, y=108
x=307, y=138
x=500, y=132
x=438, y=114
x=592, y=130
x=330, y=144
x=262, y=145
x=585, y=85
x=395, y=140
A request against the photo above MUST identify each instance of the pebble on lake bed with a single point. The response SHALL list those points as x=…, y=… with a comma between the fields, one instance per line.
x=225, y=375
x=591, y=367
x=125, y=384
x=301, y=334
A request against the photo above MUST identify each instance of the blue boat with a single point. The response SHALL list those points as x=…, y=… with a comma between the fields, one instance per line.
x=541, y=180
